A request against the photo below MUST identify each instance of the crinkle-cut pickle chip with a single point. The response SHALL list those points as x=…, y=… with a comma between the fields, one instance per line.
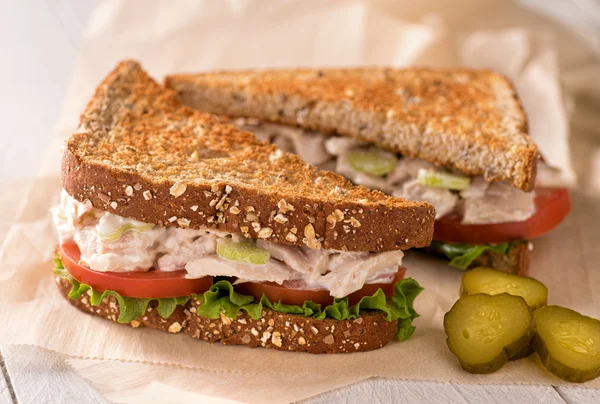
x=492, y=282
x=568, y=343
x=484, y=331
x=373, y=161
x=244, y=251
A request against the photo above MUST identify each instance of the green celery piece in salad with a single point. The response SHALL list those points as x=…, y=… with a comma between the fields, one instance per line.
x=440, y=179
x=373, y=161
x=118, y=233
x=243, y=251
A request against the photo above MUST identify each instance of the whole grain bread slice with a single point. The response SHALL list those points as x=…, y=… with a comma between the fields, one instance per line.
x=139, y=153
x=288, y=332
x=470, y=121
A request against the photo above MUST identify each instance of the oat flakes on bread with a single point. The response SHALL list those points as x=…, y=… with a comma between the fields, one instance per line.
x=450, y=121
x=177, y=220
x=139, y=153
x=466, y=120
x=287, y=332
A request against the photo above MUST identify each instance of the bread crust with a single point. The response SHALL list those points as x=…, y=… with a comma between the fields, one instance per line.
x=466, y=120
x=274, y=330
x=138, y=153
x=515, y=261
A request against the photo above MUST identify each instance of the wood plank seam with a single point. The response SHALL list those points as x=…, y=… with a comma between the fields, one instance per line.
x=560, y=393
x=6, y=376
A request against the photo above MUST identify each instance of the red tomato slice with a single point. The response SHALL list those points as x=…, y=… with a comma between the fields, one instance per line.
x=293, y=293
x=552, y=206
x=143, y=284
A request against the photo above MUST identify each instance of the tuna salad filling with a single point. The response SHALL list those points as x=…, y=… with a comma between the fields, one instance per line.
x=111, y=243
x=473, y=198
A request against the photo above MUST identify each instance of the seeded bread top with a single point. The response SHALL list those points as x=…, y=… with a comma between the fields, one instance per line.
x=470, y=121
x=139, y=153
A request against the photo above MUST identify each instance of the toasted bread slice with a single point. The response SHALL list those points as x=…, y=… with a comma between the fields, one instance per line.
x=288, y=332
x=139, y=153
x=465, y=120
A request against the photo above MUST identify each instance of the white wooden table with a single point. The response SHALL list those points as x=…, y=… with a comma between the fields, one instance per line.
x=39, y=45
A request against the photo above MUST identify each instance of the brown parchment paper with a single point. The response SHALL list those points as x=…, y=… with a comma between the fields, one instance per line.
x=293, y=33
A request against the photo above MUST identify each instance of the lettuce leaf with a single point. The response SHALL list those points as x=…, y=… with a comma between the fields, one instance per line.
x=222, y=298
x=130, y=308
x=461, y=256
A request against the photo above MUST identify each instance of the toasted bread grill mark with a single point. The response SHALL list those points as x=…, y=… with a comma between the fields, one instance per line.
x=465, y=120
x=273, y=330
x=138, y=153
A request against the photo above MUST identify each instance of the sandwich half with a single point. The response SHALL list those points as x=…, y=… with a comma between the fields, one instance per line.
x=176, y=220
x=456, y=138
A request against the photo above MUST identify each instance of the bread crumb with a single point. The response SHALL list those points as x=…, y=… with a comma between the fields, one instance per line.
x=194, y=208
x=114, y=205
x=276, y=339
x=329, y=339
x=195, y=156
x=265, y=232
x=224, y=319
x=129, y=190
x=310, y=240
x=301, y=341
x=175, y=327
x=285, y=207
x=178, y=189
x=103, y=197
x=134, y=323
x=279, y=218
x=183, y=222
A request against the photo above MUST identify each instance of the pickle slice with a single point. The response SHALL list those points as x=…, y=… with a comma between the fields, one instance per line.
x=523, y=353
x=568, y=343
x=440, y=179
x=373, y=161
x=484, y=331
x=244, y=251
x=492, y=282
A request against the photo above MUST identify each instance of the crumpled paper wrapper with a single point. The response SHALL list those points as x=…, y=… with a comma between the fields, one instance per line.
x=299, y=33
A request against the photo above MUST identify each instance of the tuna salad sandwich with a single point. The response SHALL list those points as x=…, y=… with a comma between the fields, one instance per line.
x=456, y=138
x=176, y=220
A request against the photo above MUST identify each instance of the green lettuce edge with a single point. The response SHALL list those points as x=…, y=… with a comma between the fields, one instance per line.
x=221, y=298
x=130, y=308
x=461, y=256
